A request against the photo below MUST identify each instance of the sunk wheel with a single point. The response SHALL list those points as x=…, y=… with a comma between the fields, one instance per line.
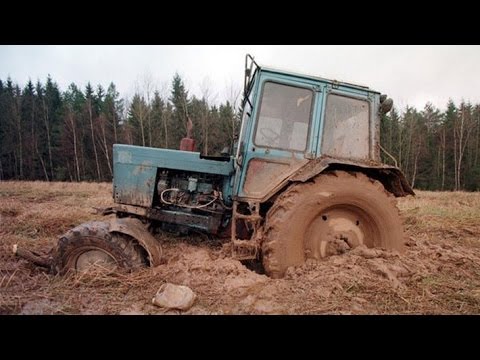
x=91, y=244
x=336, y=212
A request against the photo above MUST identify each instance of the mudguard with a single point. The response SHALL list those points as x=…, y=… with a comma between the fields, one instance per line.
x=391, y=177
x=136, y=229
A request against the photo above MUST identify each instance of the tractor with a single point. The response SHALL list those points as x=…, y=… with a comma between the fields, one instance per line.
x=304, y=179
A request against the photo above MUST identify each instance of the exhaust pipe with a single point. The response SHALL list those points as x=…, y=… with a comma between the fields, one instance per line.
x=187, y=143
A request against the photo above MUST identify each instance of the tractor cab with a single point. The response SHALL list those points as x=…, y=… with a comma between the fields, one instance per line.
x=290, y=120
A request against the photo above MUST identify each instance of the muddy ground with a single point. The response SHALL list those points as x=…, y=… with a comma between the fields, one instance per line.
x=439, y=273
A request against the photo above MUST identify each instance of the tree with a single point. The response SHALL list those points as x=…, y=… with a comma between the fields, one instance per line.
x=233, y=92
x=180, y=102
x=159, y=128
x=462, y=130
x=137, y=119
x=49, y=135
x=28, y=115
x=113, y=107
x=73, y=101
x=431, y=160
x=2, y=130
x=51, y=103
x=90, y=110
x=227, y=127
x=12, y=141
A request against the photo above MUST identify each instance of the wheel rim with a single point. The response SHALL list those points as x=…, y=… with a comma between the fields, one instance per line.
x=338, y=229
x=93, y=257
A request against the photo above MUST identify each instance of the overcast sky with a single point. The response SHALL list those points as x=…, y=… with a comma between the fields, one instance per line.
x=410, y=75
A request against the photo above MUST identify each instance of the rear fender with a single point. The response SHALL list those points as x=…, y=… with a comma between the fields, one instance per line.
x=391, y=177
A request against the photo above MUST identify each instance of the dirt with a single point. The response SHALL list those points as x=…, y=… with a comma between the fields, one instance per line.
x=439, y=273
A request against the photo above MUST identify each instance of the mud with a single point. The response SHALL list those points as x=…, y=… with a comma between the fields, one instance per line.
x=438, y=273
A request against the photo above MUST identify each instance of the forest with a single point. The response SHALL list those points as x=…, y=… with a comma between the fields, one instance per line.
x=51, y=134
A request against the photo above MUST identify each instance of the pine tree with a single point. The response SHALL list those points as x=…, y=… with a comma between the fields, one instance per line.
x=28, y=116
x=180, y=102
x=158, y=121
x=113, y=108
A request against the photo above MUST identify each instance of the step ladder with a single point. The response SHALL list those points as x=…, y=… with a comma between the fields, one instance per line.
x=246, y=249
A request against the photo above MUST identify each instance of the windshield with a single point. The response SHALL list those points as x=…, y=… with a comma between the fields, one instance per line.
x=284, y=117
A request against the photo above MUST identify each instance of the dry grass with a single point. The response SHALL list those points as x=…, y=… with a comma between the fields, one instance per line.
x=448, y=215
x=438, y=273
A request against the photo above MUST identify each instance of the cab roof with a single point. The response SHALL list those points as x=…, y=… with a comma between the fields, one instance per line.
x=314, y=77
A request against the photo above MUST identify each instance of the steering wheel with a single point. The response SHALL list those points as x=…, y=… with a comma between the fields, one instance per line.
x=270, y=135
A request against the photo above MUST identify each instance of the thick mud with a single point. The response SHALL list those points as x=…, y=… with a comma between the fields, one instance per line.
x=438, y=273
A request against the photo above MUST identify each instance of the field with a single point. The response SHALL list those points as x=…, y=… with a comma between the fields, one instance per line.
x=439, y=273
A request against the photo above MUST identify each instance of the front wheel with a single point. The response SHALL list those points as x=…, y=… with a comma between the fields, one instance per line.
x=91, y=244
x=334, y=213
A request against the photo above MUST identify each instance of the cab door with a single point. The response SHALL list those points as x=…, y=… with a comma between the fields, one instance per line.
x=281, y=136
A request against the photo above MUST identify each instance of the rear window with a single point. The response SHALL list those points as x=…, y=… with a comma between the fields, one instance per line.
x=347, y=127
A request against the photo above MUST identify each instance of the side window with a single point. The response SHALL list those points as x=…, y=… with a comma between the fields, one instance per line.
x=284, y=117
x=346, y=132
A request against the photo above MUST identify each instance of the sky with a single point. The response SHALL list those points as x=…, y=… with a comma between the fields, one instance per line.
x=410, y=75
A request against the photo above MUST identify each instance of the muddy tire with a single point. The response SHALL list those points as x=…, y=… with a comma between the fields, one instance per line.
x=335, y=212
x=92, y=243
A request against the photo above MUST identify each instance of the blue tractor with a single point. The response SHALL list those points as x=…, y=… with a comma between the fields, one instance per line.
x=304, y=180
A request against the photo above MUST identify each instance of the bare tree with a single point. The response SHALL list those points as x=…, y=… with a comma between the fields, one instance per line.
x=163, y=91
x=233, y=91
x=42, y=162
x=205, y=90
x=71, y=124
x=463, y=128
x=90, y=116
x=46, y=119
x=443, y=145
x=208, y=99
x=103, y=141
x=146, y=90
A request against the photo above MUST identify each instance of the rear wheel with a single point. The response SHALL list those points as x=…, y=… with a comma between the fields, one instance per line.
x=334, y=213
x=91, y=244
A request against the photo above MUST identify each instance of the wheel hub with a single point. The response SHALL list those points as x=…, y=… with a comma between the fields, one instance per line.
x=335, y=231
x=94, y=257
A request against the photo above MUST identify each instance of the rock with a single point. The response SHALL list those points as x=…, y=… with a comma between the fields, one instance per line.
x=172, y=296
